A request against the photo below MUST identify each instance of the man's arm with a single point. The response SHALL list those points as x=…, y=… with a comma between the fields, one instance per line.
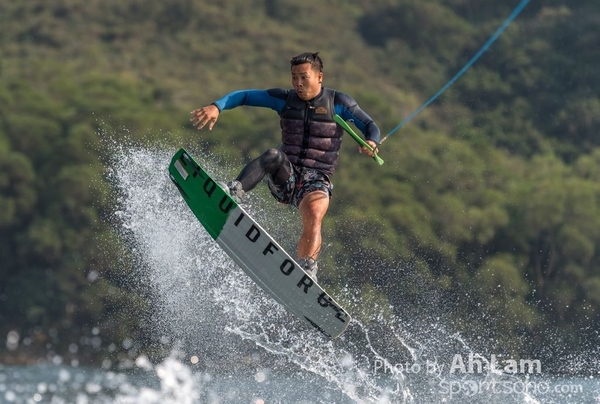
x=274, y=99
x=252, y=98
x=348, y=109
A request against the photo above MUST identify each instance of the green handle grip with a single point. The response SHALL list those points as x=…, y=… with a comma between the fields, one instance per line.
x=356, y=137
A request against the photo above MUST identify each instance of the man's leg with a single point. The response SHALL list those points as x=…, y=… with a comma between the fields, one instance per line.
x=273, y=162
x=312, y=209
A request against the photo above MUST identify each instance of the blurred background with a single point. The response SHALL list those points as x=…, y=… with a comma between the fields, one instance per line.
x=486, y=212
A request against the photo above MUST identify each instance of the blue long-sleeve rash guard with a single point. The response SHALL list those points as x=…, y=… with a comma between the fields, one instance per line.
x=275, y=98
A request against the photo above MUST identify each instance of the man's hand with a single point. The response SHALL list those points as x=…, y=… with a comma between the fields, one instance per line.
x=209, y=114
x=366, y=150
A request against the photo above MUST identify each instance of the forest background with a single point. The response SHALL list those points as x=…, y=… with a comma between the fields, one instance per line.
x=489, y=200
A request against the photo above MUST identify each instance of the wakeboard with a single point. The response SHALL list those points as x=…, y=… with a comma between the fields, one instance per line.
x=254, y=250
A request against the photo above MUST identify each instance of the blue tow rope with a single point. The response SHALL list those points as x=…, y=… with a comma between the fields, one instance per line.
x=462, y=71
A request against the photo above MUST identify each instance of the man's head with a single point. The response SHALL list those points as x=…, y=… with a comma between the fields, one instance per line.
x=307, y=75
x=311, y=58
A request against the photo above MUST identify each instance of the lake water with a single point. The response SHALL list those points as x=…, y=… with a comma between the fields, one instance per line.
x=232, y=344
x=175, y=382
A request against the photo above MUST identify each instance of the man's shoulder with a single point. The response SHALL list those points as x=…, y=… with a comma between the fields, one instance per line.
x=343, y=99
x=280, y=93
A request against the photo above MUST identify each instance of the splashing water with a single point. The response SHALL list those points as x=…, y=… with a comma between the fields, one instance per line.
x=221, y=318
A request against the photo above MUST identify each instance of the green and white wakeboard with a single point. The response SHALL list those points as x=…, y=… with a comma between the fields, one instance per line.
x=254, y=250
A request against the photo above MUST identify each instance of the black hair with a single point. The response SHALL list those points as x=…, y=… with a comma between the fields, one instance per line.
x=313, y=58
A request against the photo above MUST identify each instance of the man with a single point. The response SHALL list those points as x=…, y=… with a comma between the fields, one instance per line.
x=299, y=171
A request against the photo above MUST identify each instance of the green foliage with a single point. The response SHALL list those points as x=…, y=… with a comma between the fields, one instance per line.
x=18, y=195
x=502, y=295
x=554, y=227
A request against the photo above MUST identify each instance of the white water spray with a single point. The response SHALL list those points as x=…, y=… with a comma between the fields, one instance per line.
x=220, y=316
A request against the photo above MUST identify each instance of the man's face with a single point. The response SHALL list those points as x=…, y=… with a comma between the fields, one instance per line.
x=306, y=81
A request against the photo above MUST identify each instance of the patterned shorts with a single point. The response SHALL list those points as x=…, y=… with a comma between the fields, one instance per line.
x=302, y=181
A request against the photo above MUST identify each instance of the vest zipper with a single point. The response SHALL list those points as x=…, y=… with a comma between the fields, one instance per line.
x=305, y=138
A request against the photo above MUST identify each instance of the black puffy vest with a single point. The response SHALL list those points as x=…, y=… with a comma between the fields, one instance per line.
x=310, y=136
